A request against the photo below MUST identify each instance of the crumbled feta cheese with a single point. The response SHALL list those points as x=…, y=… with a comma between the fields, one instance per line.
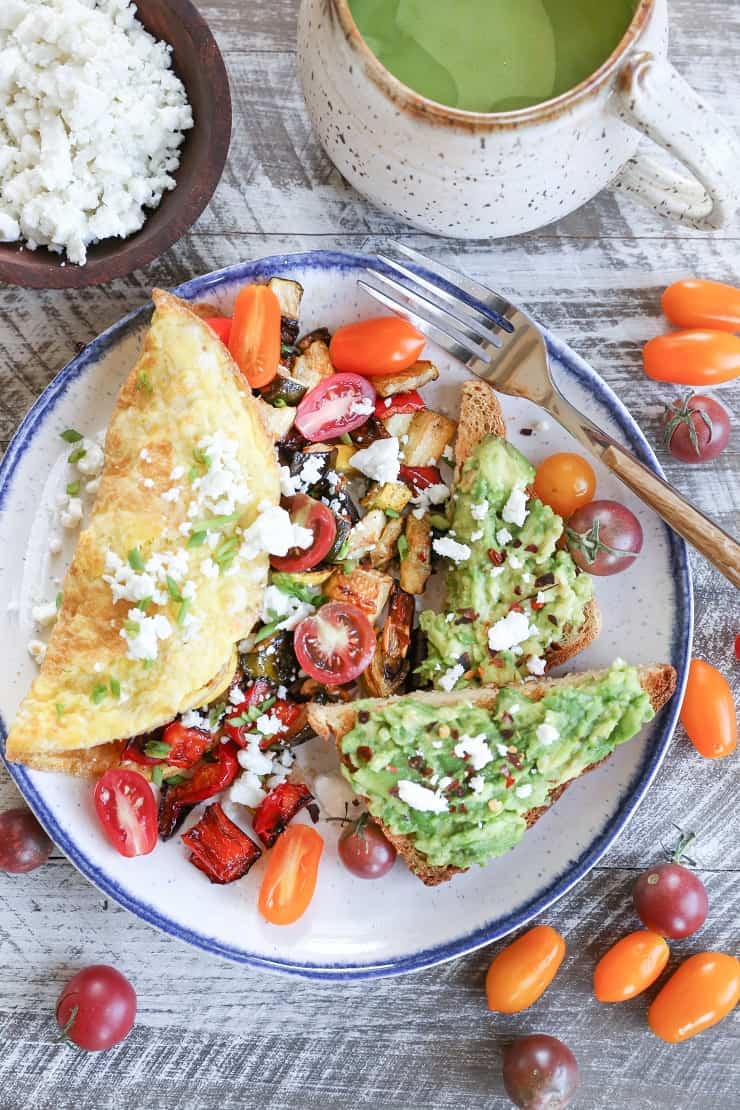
x=510, y=630
x=362, y=407
x=222, y=488
x=274, y=532
x=253, y=759
x=91, y=463
x=451, y=549
x=289, y=483
x=236, y=695
x=515, y=509
x=269, y=724
x=449, y=453
x=541, y=597
x=547, y=734
x=55, y=543
x=37, y=650
x=502, y=750
x=524, y=790
x=247, y=790
x=421, y=798
x=515, y=562
x=145, y=455
x=45, y=614
x=450, y=678
x=503, y=536
x=148, y=483
x=191, y=718
x=435, y=494
x=514, y=709
x=92, y=486
x=475, y=536
x=176, y=473
x=209, y=568
x=479, y=510
x=172, y=494
x=477, y=784
x=72, y=515
x=143, y=644
x=93, y=117
x=277, y=604
x=477, y=748
x=536, y=665
x=380, y=461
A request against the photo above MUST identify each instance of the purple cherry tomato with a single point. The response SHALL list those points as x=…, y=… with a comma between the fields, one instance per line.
x=365, y=851
x=697, y=428
x=604, y=537
x=24, y=845
x=671, y=900
x=540, y=1073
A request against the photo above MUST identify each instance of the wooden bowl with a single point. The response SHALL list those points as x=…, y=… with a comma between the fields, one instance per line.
x=199, y=65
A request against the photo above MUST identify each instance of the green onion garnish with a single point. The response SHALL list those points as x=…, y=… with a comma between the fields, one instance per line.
x=135, y=561
x=144, y=604
x=157, y=775
x=99, y=691
x=182, y=611
x=60, y=710
x=70, y=435
x=73, y=488
x=58, y=600
x=157, y=749
x=215, y=523
x=266, y=632
x=403, y=547
x=392, y=514
x=173, y=589
x=197, y=540
x=132, y=627
x=77, y=454
x=115, y=688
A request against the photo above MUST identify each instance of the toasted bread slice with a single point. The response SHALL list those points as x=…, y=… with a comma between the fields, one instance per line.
x=333, y=722
x=481, y=415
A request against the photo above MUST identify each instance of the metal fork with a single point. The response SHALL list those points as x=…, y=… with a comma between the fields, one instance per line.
x=505, y=347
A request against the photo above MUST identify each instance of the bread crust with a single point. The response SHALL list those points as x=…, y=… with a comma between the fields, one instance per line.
x=333, y=722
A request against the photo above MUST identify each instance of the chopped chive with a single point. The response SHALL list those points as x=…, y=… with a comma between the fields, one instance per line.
x=175, y=780
x=348, y=566
x=201, y=457
x=216, y=713
x=157, y=775
x=148, y=664
x=115, y=688
x=392, y=514
x=144, y=604
x=197, y=540
x=182, y=611
x=343, y=551
x=193, y=473
x=266, y=632
x=77, y=454
x=99, y=691
x=70, y=435
x=144, y=382
x=173, y=589
x=279, y=403
x=403, y=547
x=346, y=439
x=215, y=523
x=132, y=627
x=58, y=600
x=157, y=749
x=73, y=488
x=135, y=560
x=60, y=710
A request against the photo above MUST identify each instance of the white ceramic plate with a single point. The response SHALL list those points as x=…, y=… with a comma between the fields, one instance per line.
x=353, y=928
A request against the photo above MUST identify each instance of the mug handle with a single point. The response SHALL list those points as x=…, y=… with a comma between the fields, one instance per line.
x=654, y=98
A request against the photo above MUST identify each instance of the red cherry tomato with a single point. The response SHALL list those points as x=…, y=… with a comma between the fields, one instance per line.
x=319, y=519
x=383, y=345
x=290, y=877
x=254, y=340
x=604, y=537
x=336, y=405
x=708, y=711
x=125, y=805
x=222, y=327
x=334, y=644
x=703, y=304
x=24, y=845
x=364, y=850
x=565, y=481
x=97, y=1008
x=700, y=357
x=697, y=429
x=399, y=403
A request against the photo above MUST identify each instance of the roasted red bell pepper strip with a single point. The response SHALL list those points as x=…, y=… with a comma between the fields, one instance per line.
x=278, y=809
x=401, y=402
x=240, y=723
x=222, y=327
x=188, y=744
x=134, y=750
x=209, y=778
x=220, y=848
x=420, y=477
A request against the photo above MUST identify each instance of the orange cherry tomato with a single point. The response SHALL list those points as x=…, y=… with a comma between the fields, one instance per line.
x=565, y=482
x=382, y=345
x=708, y=711
x=254, y=340
x=290, y=878
x=524, y=970
x=703, y=304
x=221, y=325
x=630, y=966
x=702, y=991
x=700, y=357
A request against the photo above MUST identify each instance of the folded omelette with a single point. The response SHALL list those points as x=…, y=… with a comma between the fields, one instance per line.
x=162, y=585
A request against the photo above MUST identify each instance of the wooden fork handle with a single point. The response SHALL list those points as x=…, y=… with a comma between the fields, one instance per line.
x=702, y=533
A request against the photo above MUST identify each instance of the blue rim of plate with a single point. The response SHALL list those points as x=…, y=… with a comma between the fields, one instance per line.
x=198, y=288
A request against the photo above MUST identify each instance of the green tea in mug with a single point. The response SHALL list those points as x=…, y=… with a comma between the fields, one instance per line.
x=492, y=55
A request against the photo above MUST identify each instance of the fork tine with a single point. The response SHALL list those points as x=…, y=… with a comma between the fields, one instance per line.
x=448, y=320
x=492, y=300
x=453, y=347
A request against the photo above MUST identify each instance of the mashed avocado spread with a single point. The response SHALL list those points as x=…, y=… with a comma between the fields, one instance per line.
x=460, y=779
x=513, y=595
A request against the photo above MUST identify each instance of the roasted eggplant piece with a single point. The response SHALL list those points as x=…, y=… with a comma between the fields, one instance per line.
x=318, y=335
x=340, y=502
x=272, y=658
x=289, y=295
x=313, y=464
x=220, y=848
x=390, y=665
x=414, y=378
x=429, y=433
x=283, y=391
x=417, y=654
x=416, y=563
x=371, y=430
x=368, y=590
x=277, y=810
x=338, y=552
x=313, y=362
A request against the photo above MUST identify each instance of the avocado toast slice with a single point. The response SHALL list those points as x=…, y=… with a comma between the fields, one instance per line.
x=517, y=605
x=456, y=778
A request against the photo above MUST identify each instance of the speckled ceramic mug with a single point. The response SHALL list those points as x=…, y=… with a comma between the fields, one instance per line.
x=479, y=175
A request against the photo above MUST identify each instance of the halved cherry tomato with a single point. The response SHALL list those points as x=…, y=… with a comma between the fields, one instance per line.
x=319, y=519
x=290, y=877
x=708, y=711
x=254, y=341
x=524, y=970
x=382, y=345
x=565, y=481
x=630, y=966
x=699, y=357
x=334, y=644
x=703, y=991
x=420, y=477
x=703, y=304
x=336, y=405
x=400, y=402
x=222, y=327
x=125, y=805
x=187, y=744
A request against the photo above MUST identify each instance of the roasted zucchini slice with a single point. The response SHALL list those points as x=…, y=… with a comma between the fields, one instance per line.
x=283, y=391
x=289, y=294
x=272, y=658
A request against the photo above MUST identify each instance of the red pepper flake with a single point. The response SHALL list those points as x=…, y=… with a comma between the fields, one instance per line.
x=364, y=753
x=509, y=780
x=391, y=768
x=531, y=547
x=515, y=607
x=421, y=557
x=537, y=605
x=496, y=557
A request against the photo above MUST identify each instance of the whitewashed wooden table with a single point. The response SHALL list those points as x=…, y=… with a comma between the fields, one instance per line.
x=213, y=1035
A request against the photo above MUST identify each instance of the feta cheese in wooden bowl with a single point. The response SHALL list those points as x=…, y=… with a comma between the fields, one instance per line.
x=115, y=120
